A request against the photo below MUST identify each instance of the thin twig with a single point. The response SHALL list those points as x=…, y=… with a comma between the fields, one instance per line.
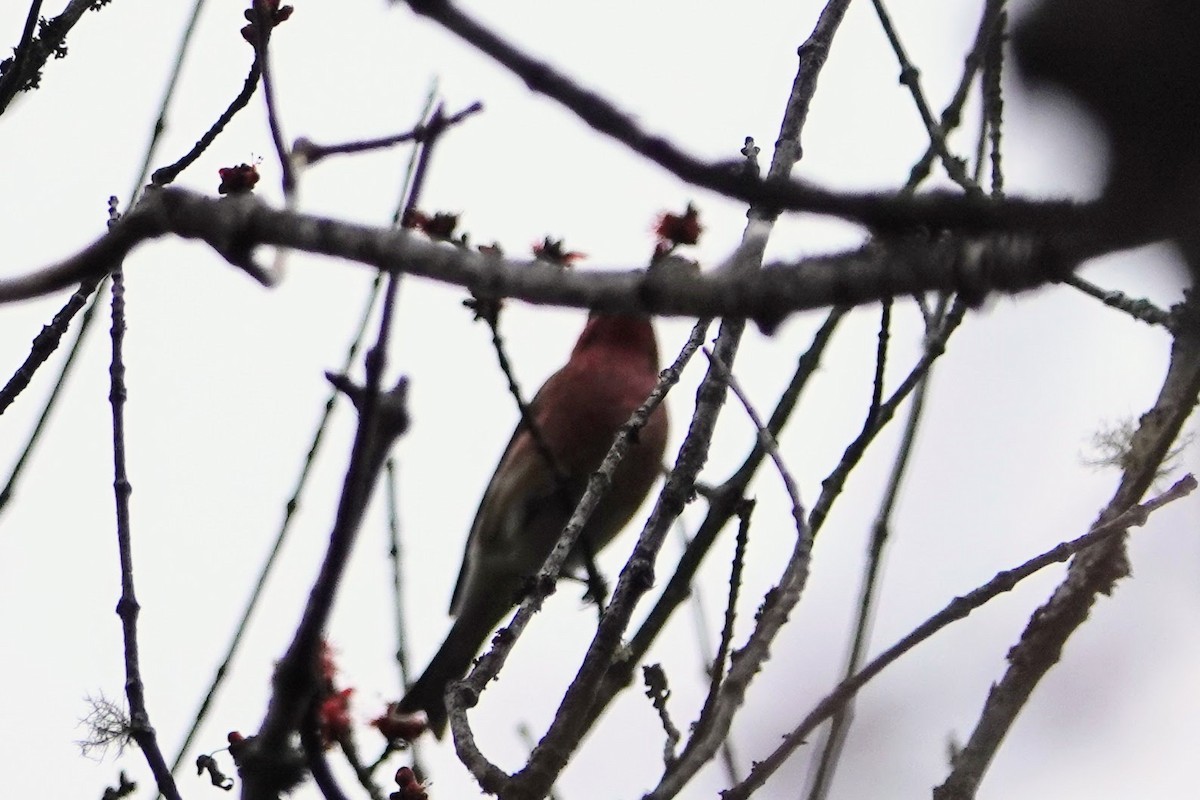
x=140, y=729
x=395, y=554
x=989, y=27
x=492, y=317
x=935, y=346
x=765, y=437
x=659, y=692
x=45, y=343
x=64, y=372
x=910, y=76
x=310, y=152
x=717, y=668
x=993, y=98
x=1140, y=308
x=160, y=121
x=263, y=28
x=881, y=353
x=821, y=775
x=704, y=643
x=165, y=175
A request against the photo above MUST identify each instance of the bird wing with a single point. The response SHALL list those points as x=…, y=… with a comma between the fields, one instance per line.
x=530, y=476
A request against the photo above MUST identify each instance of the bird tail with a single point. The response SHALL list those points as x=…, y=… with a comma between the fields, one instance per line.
x=451, y=662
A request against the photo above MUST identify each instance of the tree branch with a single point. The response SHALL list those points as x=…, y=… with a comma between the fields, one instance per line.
x=1092, y=574
x=235, y=225
x=958, y=608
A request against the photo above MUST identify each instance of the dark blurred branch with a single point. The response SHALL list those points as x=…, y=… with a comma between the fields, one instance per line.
x=880, y=211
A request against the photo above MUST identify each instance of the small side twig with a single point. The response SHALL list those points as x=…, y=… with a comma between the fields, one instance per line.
x=993, y=98
x=659, y=691
x=1140, y=308
x=489, y=313
x=309, y=152
x=881, y=354
x=263, y=27
x=777, y=605
x=165, y=175
x=395, y=554
x=717, y=668
x=935, y=346
x=46, y=342
x=705, y=646
x=910, y=76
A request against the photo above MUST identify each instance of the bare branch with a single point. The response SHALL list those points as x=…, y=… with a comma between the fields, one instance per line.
x=881, y=211
x=910, y=76
x=1090, y=575
x=140, y=729
x=958, y=608
x=310, y=152
x=234, y=225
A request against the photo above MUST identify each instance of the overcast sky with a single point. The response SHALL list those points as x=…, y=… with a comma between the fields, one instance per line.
x=225, y=388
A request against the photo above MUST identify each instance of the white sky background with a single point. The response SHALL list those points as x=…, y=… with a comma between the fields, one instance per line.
x=225, y=386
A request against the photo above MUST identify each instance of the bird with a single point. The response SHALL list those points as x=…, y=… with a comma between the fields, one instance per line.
x=612, y=369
